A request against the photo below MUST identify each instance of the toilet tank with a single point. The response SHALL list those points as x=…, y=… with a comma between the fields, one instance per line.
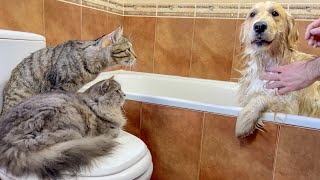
x=14, y=47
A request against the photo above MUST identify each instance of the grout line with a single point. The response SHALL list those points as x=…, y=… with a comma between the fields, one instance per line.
x=276, y=153
x=123, y=8
x=81, y=14
x=140, y=118
x=201, y=144
x=192, y=44
x=238, y=14
x=157, y=9
x=154, y=45
x=43, y=20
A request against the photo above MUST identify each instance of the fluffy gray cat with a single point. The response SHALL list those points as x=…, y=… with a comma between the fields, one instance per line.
x=66, y=67
x=50, y=133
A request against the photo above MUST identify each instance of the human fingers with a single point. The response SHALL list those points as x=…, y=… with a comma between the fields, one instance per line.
x=276, y=84
x=315, y=31
x=270, y=77
x=275, y=69
x=313, y=25
x=311, y=41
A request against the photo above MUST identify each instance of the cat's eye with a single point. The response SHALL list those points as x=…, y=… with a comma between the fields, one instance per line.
x=275, y=13
x=252, y=14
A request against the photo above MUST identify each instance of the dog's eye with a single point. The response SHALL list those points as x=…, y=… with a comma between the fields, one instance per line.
x=275, y=13
x=252, y=14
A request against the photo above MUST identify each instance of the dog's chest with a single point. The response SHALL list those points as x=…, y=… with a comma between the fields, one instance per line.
x=258, y=86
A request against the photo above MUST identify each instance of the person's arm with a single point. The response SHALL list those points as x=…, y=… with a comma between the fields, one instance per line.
x=297, y=75
x=292, y=77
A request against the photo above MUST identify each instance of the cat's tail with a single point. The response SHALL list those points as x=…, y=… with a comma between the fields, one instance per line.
x=69, y=156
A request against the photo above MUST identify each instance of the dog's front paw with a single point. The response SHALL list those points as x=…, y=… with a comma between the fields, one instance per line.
x=247, y=121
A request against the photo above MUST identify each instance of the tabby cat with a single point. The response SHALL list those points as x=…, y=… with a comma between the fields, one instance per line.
x=66, y=67
x=49, y=133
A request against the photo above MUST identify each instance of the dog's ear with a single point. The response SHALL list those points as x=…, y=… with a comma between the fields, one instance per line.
x=292, y=32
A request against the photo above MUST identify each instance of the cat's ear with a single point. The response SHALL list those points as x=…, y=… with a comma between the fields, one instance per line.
x=104, y=42
x=104, y=87
x=112, y=78
x=115, y=36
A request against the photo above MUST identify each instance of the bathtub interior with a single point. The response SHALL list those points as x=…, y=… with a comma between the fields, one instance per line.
x=188, y=89
x=191, y=93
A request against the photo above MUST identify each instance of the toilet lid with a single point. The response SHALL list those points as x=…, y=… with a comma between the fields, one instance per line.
x=129, y=151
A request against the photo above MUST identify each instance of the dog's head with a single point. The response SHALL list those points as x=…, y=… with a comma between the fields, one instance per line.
x=268, y=26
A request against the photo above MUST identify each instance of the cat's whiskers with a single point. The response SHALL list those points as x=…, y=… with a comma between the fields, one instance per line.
x=131, y=38
x=134, y=65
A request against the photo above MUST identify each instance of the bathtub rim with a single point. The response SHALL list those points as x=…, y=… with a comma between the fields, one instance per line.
x=233, y=111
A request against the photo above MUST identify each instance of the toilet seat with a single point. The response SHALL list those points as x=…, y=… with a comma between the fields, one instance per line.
x=131, y=159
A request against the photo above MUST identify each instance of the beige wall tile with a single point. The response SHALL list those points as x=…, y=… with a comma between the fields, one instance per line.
x=62, y=22
x=297, y=156
x=142, y=32
x=226, y=157
x=132, y=112
x=173, y=46
x=22, y=15
x=174, y=137
x=213, y=48
x=94, y=23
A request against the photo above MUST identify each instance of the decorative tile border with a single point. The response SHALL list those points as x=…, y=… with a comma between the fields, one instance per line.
x=198, y=10
x=115, y=6
x=305, y=11
x=176, y=10
x=99, y=4
x=141, y=9
x=220, y=10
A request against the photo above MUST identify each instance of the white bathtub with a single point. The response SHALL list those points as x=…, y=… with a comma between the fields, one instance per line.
x=217, y=97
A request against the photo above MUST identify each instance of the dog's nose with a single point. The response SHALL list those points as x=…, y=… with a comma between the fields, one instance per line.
x=260, y=27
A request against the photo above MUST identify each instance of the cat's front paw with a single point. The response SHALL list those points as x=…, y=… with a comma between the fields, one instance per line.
x=247, y=122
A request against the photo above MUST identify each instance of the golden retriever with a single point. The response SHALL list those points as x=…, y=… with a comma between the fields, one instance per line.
x=269, y=38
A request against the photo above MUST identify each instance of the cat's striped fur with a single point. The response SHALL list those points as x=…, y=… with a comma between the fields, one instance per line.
x=51, y=133
x=66, y=67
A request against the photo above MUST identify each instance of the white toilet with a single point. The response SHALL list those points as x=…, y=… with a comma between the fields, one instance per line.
x=130, y=160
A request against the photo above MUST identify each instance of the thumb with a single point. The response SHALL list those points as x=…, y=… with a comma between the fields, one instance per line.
x=315, y=31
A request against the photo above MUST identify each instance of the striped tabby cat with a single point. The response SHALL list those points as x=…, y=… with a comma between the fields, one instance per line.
x=66, y=67
x=53, y=132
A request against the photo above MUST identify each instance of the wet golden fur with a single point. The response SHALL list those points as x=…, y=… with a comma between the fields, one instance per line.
x=278, y=48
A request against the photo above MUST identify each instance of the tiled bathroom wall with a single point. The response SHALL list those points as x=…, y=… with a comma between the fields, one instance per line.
x=187, y=144
x=196, y=38
x=56, y=20
x=182, y=37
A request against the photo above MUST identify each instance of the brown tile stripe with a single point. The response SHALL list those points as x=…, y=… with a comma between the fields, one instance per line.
x=200, y=10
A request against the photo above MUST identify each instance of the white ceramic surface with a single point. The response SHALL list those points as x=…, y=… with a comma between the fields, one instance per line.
x=199, y=94
x=14, y=47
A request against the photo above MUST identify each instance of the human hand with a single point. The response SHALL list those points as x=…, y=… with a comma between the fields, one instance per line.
x=312, y=34
x=292, y=77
